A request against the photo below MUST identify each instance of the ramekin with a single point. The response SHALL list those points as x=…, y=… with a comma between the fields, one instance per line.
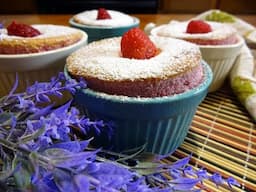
x=160, y=123
x=33, y=67
x=100, y=32
x=221, y=58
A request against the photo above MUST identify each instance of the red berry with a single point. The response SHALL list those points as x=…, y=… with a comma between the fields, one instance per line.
x=136, y=44
x=23, y=30
x=103, y=14
x=198, y=26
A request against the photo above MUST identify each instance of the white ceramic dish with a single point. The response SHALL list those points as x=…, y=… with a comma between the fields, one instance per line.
x=34, y=66
x=221, y=58
x=36, y=61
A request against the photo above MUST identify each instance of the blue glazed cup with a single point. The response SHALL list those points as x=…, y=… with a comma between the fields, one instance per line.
x=100, y=32
x=161, y=123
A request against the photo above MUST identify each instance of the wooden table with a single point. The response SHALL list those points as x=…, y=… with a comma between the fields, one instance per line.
x=222, y=136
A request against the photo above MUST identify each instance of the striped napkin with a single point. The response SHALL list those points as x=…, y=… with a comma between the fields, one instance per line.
x=243, y=73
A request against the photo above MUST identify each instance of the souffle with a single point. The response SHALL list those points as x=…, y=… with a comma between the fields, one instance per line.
x=23, y=39
x=173, y=68
x=199, y=32
x=104, y=18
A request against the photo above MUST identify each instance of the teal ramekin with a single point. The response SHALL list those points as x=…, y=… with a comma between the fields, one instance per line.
x=161, y=123
x=100, y=32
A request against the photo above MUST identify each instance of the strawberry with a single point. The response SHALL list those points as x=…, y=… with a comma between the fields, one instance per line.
x=136, y=44
x=198, y=26
x=103, y=14
x=23, y=30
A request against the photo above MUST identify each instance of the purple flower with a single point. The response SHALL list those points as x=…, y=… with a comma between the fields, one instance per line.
x=175, y=173
x=43, y=182
x=232, y=182
x=217, y=179
x=82, y=182
x=188, y=170
x=92, y=168
x=64, y=180
x=24, y=104
x=184, y=184
x=15, y=85
x=112, y=175
x=45, y=139
x=202, y=174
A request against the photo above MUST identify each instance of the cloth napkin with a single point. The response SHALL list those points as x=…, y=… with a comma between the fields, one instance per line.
x=243, y=73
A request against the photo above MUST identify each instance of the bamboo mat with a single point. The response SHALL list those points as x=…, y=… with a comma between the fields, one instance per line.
x=222, y=138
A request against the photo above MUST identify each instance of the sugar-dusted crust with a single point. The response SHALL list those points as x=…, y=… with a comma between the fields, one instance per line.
x=222, y=34
x=89, y=17
x=52, y=37
x=175, y=69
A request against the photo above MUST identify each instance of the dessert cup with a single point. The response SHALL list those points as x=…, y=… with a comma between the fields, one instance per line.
x=101, y=32
x=219, y=57
x=33, y=67
x=160, y=123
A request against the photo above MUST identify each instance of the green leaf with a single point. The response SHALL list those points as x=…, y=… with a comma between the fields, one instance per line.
x=6, y=174
x=5, y=117
x=135, y=152
x=56, y=152
x=30, y=137
x=22, y=177
x=146, y=168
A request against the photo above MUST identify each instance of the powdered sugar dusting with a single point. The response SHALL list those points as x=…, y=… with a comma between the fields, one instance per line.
x=45, y=30
x=177, y=29
x=117, y=19
x=102, y=60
